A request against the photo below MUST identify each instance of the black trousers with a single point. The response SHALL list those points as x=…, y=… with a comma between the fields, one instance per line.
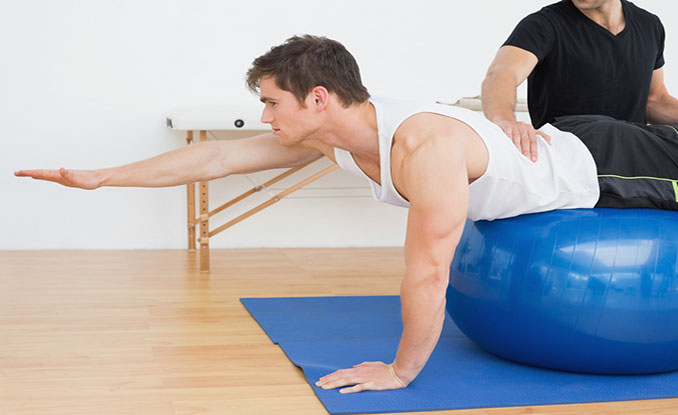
x=637, y=163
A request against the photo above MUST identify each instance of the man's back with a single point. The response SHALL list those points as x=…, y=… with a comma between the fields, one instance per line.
x=565, y=177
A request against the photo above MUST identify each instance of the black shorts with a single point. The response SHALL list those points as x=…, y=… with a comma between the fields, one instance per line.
x=637, y=163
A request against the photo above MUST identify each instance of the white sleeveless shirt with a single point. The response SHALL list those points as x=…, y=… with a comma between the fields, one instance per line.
x=564, y=177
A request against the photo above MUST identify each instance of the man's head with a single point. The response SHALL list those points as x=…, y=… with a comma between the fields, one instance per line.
x=305, y=62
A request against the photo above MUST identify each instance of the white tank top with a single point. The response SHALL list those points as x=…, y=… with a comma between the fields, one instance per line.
x=564, y=177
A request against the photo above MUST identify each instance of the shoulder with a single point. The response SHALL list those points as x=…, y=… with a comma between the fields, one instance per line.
x=537, y=31
x=413, y=123
x=428, y=142
x=427, y=128
x=640, y=14
x=644, y=20
x=550, y=14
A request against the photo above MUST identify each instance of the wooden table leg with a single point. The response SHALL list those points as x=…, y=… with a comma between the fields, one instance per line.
x=190, y=204
x=204, y=220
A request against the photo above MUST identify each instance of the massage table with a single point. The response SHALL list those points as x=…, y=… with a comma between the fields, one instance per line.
x=235, y=122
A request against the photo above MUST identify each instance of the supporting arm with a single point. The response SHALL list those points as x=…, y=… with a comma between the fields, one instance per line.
x=435, y=180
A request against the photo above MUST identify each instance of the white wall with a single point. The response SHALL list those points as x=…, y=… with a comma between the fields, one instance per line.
x=85, y=84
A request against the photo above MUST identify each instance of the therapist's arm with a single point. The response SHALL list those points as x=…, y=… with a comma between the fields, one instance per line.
x=662, y=108
x=510, y=68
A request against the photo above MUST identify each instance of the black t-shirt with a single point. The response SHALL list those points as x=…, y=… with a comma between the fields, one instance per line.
x=585, y=69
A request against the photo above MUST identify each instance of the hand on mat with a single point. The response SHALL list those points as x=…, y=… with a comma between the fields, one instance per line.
x=524, y=137
x=365, y=376
x=72, y=178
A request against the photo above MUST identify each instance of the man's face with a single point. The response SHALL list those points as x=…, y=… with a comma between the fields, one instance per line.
x=589, y=4
x=289, y=119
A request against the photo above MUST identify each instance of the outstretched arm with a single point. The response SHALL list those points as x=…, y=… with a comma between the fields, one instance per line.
x=662, y=108
x=510, y=68
x=200, y=161
x=437, y=187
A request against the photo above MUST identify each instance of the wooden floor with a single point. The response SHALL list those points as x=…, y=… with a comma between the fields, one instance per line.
x=142, y=332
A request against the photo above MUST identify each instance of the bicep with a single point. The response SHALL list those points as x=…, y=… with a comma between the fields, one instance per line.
x=262, y=152
x=436, y=182
x=514, y=61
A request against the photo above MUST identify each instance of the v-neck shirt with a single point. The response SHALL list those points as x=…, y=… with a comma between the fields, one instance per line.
x=583, y=68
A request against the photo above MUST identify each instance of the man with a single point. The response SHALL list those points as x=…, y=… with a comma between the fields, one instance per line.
x=444, y=163
x=597, y=57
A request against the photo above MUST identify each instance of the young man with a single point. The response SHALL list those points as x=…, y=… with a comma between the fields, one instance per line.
x=444, y=163
x=583, y=57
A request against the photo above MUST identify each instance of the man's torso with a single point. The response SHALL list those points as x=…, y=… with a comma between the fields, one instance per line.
x=504, y=182
x=585, y=69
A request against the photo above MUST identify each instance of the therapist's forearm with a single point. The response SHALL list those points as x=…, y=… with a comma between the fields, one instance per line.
x=498, y=93
x=663, y=110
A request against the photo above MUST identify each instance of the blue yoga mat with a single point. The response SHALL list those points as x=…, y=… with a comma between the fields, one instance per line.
x=323, y=334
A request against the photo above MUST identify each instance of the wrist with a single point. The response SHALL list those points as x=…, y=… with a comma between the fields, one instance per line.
x=404, y=375
x=499, y=120
x=102, y=177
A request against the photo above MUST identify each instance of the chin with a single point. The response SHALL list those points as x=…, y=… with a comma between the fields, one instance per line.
x=286, y=141
x=588, y=4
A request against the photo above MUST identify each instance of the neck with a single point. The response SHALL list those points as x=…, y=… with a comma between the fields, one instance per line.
x=353, y=129
x=609, y=15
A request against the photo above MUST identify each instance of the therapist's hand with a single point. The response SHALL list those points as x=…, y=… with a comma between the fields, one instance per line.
x=524, y=137
x=362, y=377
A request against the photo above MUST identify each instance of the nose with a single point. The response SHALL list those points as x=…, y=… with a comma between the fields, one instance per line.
x=266, y=116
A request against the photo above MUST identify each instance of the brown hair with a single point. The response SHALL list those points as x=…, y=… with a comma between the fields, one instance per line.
x=304, y=62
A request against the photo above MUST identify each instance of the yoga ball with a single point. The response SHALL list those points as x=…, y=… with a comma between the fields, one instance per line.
x=584, y=290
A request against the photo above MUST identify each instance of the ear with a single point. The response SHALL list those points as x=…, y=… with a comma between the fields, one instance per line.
x=320, y=98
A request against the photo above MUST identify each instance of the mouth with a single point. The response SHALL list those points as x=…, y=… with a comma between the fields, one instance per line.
x=276, y=131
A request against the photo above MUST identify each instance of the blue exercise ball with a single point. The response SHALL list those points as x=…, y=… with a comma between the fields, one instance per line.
x=585, y=290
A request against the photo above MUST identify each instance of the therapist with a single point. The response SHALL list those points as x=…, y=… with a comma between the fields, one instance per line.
x=602, y=57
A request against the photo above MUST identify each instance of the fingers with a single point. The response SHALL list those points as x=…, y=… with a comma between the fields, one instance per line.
x=527, y=140
x=523, y=136
x=511, y=134
x=26, y=173
x=338, y=379
x=533, y=146
x=358, y=388
x=35, y=174
x=545, y=136
x=365, y=376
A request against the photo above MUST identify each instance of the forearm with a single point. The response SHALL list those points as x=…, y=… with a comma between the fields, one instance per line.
x=423, y=313
x=663, y=110
x=200, y=161
x=498, y=93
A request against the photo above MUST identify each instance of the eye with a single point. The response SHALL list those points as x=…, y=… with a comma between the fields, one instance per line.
x=273, y=104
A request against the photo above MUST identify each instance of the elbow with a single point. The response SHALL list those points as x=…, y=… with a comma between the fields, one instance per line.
x=652, y=109
x=653, y=100
x=487, y=83
x=221, y=163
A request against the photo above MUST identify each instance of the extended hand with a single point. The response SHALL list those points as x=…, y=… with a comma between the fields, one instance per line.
x=72, y=178
x=524, y=137
x=365, y=376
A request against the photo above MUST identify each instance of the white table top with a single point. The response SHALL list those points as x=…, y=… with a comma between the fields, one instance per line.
x=217, y=117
